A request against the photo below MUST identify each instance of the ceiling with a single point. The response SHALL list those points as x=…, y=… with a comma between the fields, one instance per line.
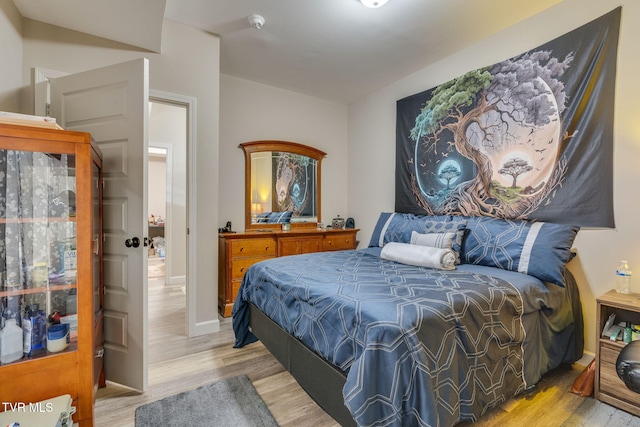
x=337, y=50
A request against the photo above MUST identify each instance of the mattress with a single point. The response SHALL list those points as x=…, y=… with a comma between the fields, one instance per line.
x=419, y=346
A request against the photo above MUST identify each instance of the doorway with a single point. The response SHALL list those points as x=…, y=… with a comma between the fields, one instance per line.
x=167, y=211
x=126, y=317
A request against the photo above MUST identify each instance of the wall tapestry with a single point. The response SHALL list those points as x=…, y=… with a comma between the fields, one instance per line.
x=527, y=138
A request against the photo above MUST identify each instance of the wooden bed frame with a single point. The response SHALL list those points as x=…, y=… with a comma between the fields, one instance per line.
x=321, y=380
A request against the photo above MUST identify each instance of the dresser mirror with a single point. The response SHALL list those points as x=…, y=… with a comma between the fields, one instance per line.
x=282, y=184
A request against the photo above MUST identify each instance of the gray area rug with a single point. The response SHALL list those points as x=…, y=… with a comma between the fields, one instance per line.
x=593, y=413
x=232, y=402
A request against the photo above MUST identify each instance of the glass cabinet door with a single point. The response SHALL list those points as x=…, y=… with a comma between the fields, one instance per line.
x=38, y=280
x=98, y=292
x=97, y=273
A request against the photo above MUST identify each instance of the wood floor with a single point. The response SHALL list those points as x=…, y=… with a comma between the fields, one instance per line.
x=178, y=363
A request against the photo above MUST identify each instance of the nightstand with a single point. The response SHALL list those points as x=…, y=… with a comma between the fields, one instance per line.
x=609, y=388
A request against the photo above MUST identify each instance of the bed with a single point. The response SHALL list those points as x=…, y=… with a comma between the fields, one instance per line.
x=380, y=342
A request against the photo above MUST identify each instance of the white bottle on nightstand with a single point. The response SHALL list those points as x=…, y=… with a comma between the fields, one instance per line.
x=623, y=278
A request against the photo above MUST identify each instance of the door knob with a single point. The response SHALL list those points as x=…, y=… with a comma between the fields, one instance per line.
x=135, y=242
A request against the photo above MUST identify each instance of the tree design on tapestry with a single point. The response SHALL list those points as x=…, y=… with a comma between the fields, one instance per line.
x=490, y=142
x=294, y=184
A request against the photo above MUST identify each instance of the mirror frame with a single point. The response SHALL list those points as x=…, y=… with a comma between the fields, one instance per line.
x=281, y=146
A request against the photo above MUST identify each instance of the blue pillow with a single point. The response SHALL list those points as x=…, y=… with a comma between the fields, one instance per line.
x=397, y=227
x=539, y=249
x=274, y=217
x=263, y=217
x=280, y=217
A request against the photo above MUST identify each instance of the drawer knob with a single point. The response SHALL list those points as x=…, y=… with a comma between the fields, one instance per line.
x=241, y=269
x=266, y=248
x=242, y=249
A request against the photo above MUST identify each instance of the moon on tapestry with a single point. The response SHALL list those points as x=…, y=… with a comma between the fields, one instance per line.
x=527, y=138
x=523, y=168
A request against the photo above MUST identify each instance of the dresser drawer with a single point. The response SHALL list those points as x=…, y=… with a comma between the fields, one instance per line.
x=610, y=382
x=339, y=242
x=609, y=353
x=612, y=385
x=235, y=287
x=299, y=245
x=240, y=266
x=253, y=247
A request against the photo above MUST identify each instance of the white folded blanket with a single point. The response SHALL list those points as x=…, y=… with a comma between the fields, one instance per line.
x=421, y=256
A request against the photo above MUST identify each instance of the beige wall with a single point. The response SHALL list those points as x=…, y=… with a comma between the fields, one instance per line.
x=11, y=54
x=252, y=111
x=157, y=192
x=189, y=66
x=372, y=139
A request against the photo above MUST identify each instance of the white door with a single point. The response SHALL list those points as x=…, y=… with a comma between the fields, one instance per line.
x=112, y=104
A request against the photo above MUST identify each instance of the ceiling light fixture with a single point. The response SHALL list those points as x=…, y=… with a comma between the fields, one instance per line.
x=373, y=3
x=256, y=21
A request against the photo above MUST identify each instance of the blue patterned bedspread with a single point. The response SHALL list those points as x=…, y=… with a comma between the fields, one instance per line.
x=420, y=346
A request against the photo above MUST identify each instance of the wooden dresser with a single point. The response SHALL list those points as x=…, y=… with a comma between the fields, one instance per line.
x=238, y=251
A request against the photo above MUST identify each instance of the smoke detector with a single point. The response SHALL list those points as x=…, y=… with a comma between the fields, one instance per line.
x=256, y=21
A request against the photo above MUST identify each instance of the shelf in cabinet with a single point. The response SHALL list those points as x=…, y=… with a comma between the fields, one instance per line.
x=73, y=346
x=36, y=220
x=50, y=288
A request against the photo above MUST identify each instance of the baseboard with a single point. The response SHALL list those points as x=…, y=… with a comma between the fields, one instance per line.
x=176, y=280
x=587, y=357
x=203, y=328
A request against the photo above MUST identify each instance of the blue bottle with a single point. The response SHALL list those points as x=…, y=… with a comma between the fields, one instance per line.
x=34, y=326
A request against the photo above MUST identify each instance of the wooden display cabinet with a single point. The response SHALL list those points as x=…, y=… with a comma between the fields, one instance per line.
x=51, y=183
x=239, y=251
x=609, y=388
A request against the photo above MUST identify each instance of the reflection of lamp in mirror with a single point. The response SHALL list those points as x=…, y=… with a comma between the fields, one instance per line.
x=264, y=198
x=259, y=198
x=256, y=206
x=256, y=209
